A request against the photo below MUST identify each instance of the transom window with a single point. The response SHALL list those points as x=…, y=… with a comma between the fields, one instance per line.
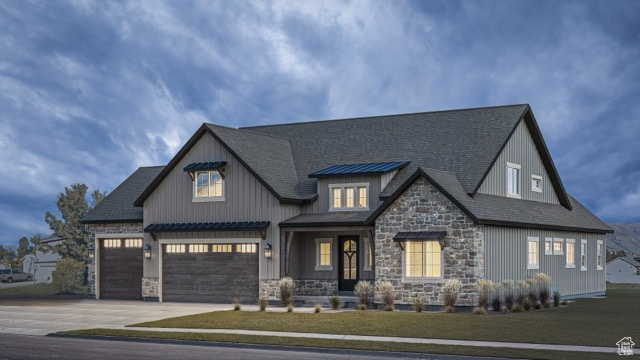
x=513, y=180
x=348, y=197
x=599, y=259
x=570, y=254
x=533, y=261
x=133, y=243
x=323, y=254
x=175, y=248
x=112, y=243
x=583, y=255
x=246, y=248
x=423, y=259
x=197, y=248
x=208, y=185
x=221, y=248
x=536, y=183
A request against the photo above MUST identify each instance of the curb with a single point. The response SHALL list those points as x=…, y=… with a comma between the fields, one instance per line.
x=319, y=350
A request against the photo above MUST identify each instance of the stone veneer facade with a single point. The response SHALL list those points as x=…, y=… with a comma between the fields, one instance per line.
x=422, y=207
x=270, y=289
x=100, y=230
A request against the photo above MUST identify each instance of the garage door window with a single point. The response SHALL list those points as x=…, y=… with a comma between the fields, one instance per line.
x=175, y=248
x=197, y=248
x=133, y=243
x=112, y=243
x=221, y=248
x=246, y=248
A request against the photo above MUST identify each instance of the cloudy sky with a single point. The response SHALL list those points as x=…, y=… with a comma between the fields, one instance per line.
x=89, y=91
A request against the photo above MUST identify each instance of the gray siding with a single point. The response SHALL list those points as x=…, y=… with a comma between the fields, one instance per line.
x=303, y=255
x=246, y=199
x=321, y=205
x=506, y=259
x=521, y=150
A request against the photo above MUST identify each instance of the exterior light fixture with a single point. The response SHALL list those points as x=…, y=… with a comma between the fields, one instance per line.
x=91, y=249
x=147, y=251
x=268, y=252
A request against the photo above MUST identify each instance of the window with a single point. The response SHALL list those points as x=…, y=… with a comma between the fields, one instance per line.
x=348, y=197
x=133, y=243
x=532, y=253
x=423, y=259
x=599, y=255
x=536, y=183
x=112, y=243
x=323, y=254
x=513, y=180
x=548, y=246
x=197, y=248
x=583, y=255
x=175, y=248
x=368, y=256
x=557, y=246
x=221, y=248
x=246, y=248
x=570, y=254
x=208, y=186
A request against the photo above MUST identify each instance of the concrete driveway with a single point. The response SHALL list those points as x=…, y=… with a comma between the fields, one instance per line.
x=41, y=317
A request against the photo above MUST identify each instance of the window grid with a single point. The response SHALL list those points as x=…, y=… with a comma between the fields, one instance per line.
x=548, y=246
x=323, y=254
x=175, y=248
x=513, y=180
x=208, y=184
x=599, y=255
x=557, y=246
x=532, y=253
x=133, y=243
x=536, y=183
x=583, y=255
x=337, y=198
x=570, y=255
x=112, y=243
x=362, y=197
x=423, y=259
x=221, y=248
x=246, y=248
x=349, y=197
x=197, y=248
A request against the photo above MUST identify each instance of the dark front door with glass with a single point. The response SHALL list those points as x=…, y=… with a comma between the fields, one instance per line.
x=349, y=261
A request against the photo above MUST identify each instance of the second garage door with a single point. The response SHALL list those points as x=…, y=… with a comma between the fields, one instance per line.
x=213, y=273
x=121, y=269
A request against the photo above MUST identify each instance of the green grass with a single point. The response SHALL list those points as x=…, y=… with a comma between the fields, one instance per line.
x=353, y=344
x=595, y=322
x=38, y=290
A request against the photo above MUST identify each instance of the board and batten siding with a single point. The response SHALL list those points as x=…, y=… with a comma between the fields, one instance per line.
x=506, y=259
x=321, y=205
x=246, y=199
x=521, y=150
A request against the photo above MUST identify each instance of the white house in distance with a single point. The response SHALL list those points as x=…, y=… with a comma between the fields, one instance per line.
x=46, y=262
x=623, y=270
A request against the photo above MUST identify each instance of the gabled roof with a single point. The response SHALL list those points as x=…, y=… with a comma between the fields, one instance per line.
x=629, y=260
x=118, y=205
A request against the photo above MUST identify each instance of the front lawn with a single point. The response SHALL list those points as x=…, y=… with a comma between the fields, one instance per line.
x=34, y=291
x=596, y=322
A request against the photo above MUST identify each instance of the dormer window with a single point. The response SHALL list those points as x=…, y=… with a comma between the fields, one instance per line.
x=513, y=180
x=346, y=197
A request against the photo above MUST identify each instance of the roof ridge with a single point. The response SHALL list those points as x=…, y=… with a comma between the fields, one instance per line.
x=151, y=167
x=381, y=116
x=248, y=131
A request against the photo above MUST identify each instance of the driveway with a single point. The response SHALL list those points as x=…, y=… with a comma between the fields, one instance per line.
x=41, y=317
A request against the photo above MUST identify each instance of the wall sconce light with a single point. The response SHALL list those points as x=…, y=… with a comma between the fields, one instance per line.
x=147, y=251
x=268, y=251
x=91, y=249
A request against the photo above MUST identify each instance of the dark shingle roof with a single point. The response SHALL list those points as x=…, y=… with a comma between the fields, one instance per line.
x=118, y=205
x=360, y=169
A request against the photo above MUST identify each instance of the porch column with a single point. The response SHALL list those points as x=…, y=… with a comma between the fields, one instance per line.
x=372, y=249
x=289, y=238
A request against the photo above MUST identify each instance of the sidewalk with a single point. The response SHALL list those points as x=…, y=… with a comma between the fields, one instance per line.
x=514, y=345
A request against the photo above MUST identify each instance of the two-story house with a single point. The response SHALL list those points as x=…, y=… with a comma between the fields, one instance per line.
x=413, y=199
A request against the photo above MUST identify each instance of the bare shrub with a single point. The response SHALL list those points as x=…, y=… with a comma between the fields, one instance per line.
x=532, y=292
x=556, y=298
x=480, y=310
x=508, y=290
x=290, y=307
x=516, y=308
x=418, y=303
x=334, y=300
x=450, y=292
x=236, y=304
x=526, y=304
x=484, y=288
x=361, y=307
x=449, y=309
x=522, y=289
x=317, y=308
x=504, y=310
x=286, y=290
x=496, y=297
x=262, y=303
x=387, y=294
x=363, y=290
x=537, y=306
x=543, y=281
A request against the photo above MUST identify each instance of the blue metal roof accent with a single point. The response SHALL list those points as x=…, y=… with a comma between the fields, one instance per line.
x=360, y=169
x=214, y=165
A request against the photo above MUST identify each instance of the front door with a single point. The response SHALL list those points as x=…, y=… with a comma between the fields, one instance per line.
x=348, y=271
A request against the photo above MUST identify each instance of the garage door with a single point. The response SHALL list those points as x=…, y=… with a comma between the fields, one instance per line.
x=121, y=269
x=213, y=273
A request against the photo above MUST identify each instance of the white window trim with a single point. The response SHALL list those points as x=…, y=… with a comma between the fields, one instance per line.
x=537, y=240
x=567, y=265
x=600, y=246
x=536, y=177
x=367, y=251
x=515, y=166
x=583, y=252
x=324, y=241
x=550, y=251
x=423, y=279
x=207, y=198
x=561, y=251
x=343, y=197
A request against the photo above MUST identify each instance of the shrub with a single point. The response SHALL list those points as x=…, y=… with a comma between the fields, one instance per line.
x=484, y=288
x=516, y=308
x=387, y=294
x=508, y=287
x=418, y=303
x=522, y=289
x=496, y=304
x=361, y=307
x=532, y=292
x=286, y=291
x=449, y=309
x=556, y=298
x=317, y=308
x=479, y=310
x=504, y=310
x=290, y=307
x=564, y=302
x=450, y=291
x=542, y=281
x=262, y=303
x=334, y=300
x=236, y=304
x=67, y=276
x=537, y=306
x=526, y=304
x=363, y=290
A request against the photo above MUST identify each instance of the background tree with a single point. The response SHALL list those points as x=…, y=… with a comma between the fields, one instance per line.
x=73, y=205
x=7, y=255
x=24, y=247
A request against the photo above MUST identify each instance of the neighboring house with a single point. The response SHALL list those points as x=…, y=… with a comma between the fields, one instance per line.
x=414, y=199
x=45, y=263
x=623, y=270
